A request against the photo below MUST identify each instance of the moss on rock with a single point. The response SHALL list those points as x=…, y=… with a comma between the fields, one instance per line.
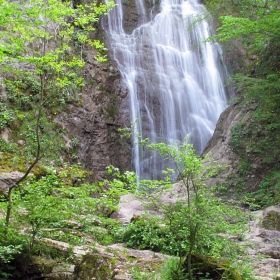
x=94, y=266
x=271, y=219
x=206, y=266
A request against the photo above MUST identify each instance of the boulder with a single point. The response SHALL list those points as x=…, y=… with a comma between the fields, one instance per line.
x=4, y=134
x=271, y=219
x=42, y=268
x=95, y=262
x=131, y=206
x=8, y=179
x=95, y=266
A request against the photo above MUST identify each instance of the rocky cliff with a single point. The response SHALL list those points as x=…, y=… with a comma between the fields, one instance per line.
x=244, y=170
x=95, y=124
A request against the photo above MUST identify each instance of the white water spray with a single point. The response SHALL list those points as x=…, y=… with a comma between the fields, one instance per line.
x=174, y=79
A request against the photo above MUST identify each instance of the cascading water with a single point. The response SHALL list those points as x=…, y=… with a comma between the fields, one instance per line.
x=174, y=81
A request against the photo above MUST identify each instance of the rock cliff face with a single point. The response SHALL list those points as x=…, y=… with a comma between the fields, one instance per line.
x=95, y=124
x=220, y=149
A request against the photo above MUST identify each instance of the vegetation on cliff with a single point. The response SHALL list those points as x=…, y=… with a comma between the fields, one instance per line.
x=255, y=139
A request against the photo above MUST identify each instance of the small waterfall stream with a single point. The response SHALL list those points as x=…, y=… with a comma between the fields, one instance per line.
x=175, y=81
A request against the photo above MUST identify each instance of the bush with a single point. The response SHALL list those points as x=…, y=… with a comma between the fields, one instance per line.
x=145, y=232
x=12, y=253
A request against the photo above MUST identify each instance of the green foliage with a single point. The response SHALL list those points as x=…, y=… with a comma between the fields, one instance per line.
x=6, y=116
x=55, y=207
x=237, y=134
x=197, y=222
x=244, y=168
x=172, y=270
x=170, y=234
x=140, y=274
x=125, y=182
x=188, y=165
x=146, y=233
x=61, y=195
x=46, y=21
x=12, y=247
x=256, y=24
x=257, y=140
x=6, y=146
x=10, y=161
x=272, y=221
x=41, y=71
x=270, y=188
x=268, y=192
x=206, y=267
x=59, y=206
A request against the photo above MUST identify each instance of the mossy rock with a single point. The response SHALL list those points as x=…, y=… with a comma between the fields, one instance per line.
x=271, y=220
x=95, y=266
x=42, y=265
x=33, y=268
x=11, y=162
x=210, y=268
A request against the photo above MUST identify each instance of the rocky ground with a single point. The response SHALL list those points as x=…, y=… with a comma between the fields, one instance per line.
x=262, y=241
x=101, y=262
x=263, y=244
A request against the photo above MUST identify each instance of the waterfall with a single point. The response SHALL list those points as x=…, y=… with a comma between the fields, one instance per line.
x=175, y=82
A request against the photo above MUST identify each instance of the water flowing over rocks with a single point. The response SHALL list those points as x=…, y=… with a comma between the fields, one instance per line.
x=175, y=83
